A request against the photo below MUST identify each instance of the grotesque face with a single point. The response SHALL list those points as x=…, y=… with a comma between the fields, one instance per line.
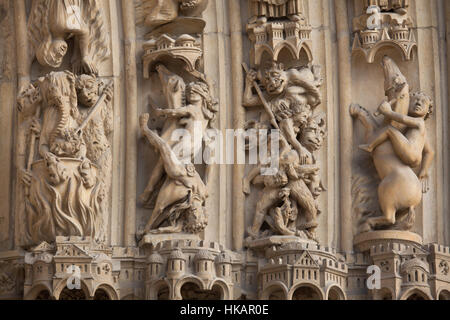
x=275, y=81
x=196, y=217
x=313, y=134
x=87, y=89
x=87, y=175
x=302, y=114
x=420, y=105
x=56, y=172
x=29, y=98
x=58, y=50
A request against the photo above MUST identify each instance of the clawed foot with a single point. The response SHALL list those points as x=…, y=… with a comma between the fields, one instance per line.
x=365, y=147
x=355, y=109
x=143, y=120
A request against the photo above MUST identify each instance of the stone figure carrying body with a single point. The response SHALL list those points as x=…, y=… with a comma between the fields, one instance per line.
x=291, y=96
x=53, y=22
x=181, y=199
x=179, y=204
x=65, y=186
x=397, y=146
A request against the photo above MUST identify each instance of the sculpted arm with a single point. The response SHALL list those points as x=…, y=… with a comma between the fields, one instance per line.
x=249, y=179
x=173, y=113
x=386, y=110
x=250, y=99
x=428, y=156
x=287, y=130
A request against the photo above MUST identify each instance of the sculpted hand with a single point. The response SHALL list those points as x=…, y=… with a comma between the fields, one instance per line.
x=156, y=112
x=423, y=176
x=384, y=108
x=246, y=186
x=108, y=93
x=35, y=127
x=251, y=76
x=304, y=155
x=25, y=177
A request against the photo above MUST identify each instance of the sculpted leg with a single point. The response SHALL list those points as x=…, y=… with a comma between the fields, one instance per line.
x=407, y=151
x=173, y=167
x=375, y=141
x=157, y=174
x=365, y=117
x=268, y=199
x=386, y=197
x=301, y=193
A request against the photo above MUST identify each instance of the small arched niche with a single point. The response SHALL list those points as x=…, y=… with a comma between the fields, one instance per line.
x=191, y=291
x=306, y=293
x=75, y=294
x=444, y=295
x=101, y=294
x=335, y=293
x=43, y=295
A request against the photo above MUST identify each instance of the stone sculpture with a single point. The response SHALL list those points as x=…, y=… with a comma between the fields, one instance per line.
x=399, y=6
x=262, y=10
x=397, y=145
x=290, y=99
x=158, y=12
x=66, y=186
x=53, y=22
x=180, y=199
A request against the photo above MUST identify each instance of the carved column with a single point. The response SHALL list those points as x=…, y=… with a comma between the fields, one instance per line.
x=238, y=120
x=132, y=122
x=345, y=124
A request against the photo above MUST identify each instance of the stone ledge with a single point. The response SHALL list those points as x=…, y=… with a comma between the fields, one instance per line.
x=364, y=241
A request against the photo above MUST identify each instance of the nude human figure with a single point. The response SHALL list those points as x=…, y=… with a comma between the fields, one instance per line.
x=183, y=186
x=411, y=146
x=400, y=190
x=201, y=109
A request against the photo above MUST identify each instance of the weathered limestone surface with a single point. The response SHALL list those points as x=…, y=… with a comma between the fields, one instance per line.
x=100, y=199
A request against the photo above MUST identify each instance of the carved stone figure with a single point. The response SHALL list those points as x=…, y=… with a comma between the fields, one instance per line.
x=397, y=146
x=266, y=9
x=66, y=186
x=180, y=202
x=289, y=100
x=200, y=110
x=158, y=12
x=53, y=22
